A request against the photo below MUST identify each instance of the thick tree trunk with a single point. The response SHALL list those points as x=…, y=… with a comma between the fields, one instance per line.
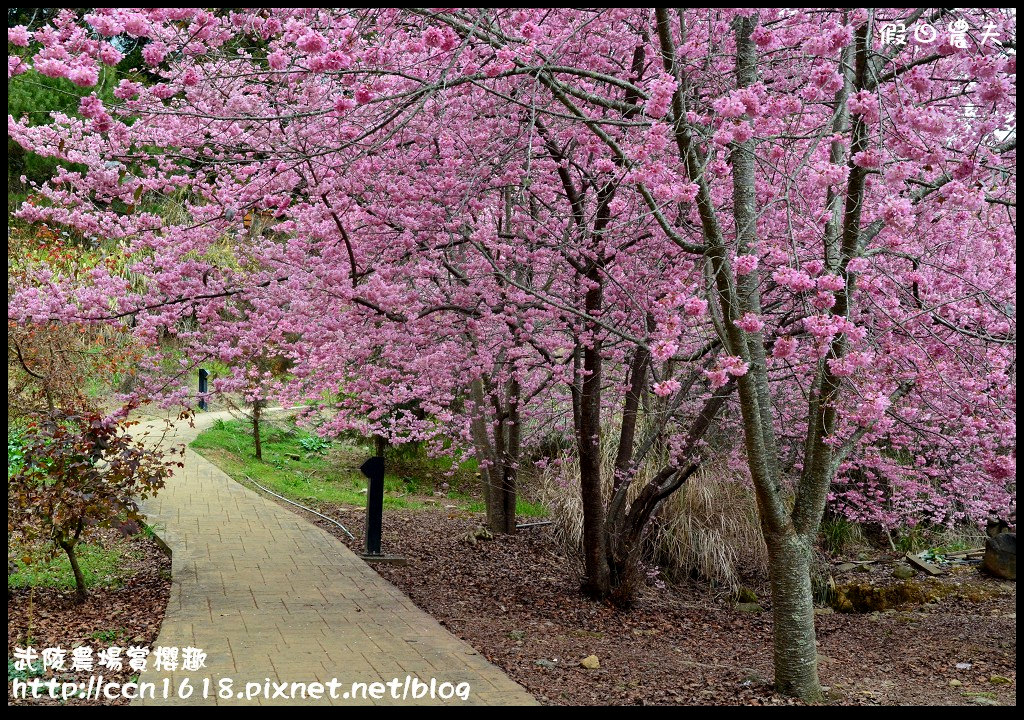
x=498, y=475
x=795, y=650
x=80, y=591
x=510, y=460
x=503, y=516
x=595, y=558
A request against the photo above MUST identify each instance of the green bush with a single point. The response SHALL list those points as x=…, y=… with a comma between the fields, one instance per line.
x=315, y=444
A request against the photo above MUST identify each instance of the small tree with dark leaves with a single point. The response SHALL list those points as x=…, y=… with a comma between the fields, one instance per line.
x=81, y=472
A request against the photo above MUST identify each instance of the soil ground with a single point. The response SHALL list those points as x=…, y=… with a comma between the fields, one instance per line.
x=129, y=614
x=517, y=600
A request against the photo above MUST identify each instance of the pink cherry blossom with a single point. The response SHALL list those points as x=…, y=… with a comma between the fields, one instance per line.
x=784, y=347
x=750, y=323
x=666, y=387
x=18, y=35
x=745, y=264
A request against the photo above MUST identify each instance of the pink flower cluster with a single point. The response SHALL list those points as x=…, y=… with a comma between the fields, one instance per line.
x=745, y=263
x=728, y=366
x=865, y=104
x=784, y=347
x=666, y=387
x=793, y=279
x=750, y=323
x=660, y=92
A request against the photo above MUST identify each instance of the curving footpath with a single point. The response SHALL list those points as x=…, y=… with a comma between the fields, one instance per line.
x=274, y=600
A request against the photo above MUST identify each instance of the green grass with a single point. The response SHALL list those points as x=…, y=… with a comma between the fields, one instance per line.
x=328, y=472
x=955, y=545
x=913, y=540
x=97, y=388
x=326, y=475
x=34, y=670
x=102, y=567
x=110, y=636
x=839, y=535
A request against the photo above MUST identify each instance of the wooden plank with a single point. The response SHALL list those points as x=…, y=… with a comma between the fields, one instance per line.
x=962, y=553
x=920, y=564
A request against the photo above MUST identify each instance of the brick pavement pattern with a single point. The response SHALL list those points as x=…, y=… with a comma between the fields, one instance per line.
x=270, y=597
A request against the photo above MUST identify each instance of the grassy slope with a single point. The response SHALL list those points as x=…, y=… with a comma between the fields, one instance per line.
x=332, y=475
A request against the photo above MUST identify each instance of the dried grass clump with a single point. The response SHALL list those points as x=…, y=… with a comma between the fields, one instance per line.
x=707, y=529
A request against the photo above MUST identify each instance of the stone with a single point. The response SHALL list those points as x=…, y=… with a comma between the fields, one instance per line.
x=823, y=611
x=999, y=680
x=746, y=595
x=1000, y=558
x=590, y=662
x=480, y=533
x=982, y=700
x=955, y=683
x=749, y=607
x=545, y=663
x=903, y=572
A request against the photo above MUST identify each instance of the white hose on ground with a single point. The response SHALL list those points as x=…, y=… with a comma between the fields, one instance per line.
x=299, y=505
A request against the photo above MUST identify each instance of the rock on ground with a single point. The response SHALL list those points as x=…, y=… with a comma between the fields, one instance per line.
x=1001, y=556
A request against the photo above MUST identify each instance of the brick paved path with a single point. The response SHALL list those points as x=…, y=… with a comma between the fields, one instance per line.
x=269, y=596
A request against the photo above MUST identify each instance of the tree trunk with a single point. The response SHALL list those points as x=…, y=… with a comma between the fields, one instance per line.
x=510, y=460
x=256, y=430
x=504, y=515
x=595, y=559
x=80, y=591
x=796, y=654
x=498, y=475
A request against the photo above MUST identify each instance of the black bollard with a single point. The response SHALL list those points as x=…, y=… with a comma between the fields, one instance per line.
x=373, y=469
x=203, y=376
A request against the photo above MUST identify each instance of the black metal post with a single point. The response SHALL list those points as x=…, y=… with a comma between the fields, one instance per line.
x=373, y=469
x=203, y=376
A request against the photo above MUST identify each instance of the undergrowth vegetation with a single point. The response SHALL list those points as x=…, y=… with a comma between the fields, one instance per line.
x=303, y=466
